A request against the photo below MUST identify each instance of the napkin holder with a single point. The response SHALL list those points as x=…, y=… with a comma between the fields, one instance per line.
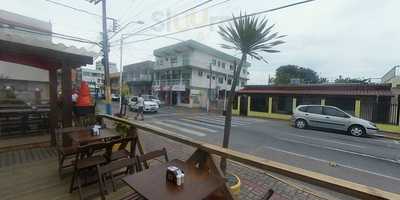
x=175, y=175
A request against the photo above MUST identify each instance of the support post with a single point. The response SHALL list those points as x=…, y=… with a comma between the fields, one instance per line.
x=67, y=96
x=269, y=105
x=248, y=104
x=294, y=104
x=357, y=108
x=53, y=115
x=322, y=102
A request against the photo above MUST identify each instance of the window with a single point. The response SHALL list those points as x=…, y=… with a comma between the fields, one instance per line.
x=334, y=112
x=242, y=83
x=259, y=103
x=214, y=62
x=314, y=109
x=200, y=73
x=213, y=77
x=223, y=65
x=166, y=59
x=231, y=67
x=160, y=62
x=229, y=81
x=208, y=76
x=219, y=63
x=244, y=71
x=174, y=60
x=221, y=80
x=303, y=109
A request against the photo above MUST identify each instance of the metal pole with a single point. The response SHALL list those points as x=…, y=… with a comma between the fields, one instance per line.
x=209, y=90
x=106, y=62
x=121, y=70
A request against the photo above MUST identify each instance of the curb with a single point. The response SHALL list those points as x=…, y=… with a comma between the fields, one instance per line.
x=383, y=135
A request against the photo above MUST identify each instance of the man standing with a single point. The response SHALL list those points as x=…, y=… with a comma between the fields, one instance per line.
x=140, y=104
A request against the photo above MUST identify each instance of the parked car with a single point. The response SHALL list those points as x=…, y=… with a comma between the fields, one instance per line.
x=332, y=118
x=149, y=106
x=115, y=97
x=152, y=98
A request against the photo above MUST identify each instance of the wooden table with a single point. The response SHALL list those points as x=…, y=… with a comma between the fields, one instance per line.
x=152, y=183
x=85, y=136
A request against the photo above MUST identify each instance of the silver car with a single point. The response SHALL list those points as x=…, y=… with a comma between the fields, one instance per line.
x=332, y=118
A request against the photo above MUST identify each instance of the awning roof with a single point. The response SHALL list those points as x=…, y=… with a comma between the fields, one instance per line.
x=41, y=54
x=323, y=89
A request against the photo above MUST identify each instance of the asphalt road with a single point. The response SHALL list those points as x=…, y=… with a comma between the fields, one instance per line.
x=369, y=161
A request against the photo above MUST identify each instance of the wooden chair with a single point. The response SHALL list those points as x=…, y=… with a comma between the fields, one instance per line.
x=122, y=151
x=142, y=160
x=113, y=172
x=65, y=146
x=86, y=160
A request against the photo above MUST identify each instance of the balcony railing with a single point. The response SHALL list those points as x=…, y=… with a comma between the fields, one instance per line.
x=172, y=82
x=341, y=186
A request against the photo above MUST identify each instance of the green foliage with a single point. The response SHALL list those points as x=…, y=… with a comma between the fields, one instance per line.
x=125, y=90
x=122, y=128
x=340, y=79
x=306, y=75
x=251, y=36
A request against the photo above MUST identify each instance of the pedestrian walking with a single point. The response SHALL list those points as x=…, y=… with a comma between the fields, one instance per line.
x=140, y=104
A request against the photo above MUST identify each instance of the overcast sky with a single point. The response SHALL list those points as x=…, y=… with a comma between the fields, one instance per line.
x=355, y=38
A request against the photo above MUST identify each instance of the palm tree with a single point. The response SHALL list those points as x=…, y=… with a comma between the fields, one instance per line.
x=250, y=36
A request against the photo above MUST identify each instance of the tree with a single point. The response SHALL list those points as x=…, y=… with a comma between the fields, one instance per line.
x=350, y=80
x=285, y=73
x=250, y=36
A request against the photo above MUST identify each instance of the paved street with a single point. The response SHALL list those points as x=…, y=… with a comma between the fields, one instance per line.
x=370, y=161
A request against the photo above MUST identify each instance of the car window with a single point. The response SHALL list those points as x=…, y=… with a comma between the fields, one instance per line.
x=314, y=109
x=303, y=109
x=334, y=112
x=134, y=99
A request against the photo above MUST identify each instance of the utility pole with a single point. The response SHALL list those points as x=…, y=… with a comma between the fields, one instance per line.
x=105, y=59
x=120, y=72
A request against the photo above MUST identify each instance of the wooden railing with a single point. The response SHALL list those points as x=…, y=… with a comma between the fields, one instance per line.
x=314, y=178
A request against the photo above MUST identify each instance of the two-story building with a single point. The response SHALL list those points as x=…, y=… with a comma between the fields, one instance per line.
x=139, y=77
x=188, y=73
x=95, y=77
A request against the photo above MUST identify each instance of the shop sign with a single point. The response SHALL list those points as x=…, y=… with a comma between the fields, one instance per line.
x=156, y=88
x=180, y=88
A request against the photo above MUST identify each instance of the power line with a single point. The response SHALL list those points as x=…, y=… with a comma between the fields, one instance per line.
x=76, y=9
x=222, y=21
x=53, y=34
x=115, y=44
x=169, y=18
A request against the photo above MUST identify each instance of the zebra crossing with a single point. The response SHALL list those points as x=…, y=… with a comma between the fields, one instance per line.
x=200, y=125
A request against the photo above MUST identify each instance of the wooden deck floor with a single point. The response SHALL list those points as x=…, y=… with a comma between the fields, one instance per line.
x=39, y=180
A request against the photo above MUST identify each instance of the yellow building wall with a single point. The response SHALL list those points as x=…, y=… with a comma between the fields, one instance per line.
x=267, y=114
x=357, y=108
x=236, y=111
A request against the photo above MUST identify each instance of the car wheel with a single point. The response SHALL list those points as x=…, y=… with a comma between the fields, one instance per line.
x=300, y=123
x=356, y=130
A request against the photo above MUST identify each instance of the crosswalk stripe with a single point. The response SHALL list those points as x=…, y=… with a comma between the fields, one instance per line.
x=191, y=125
x=196, y=133
x=209, y=121
x=203, y=123
x=222, y=121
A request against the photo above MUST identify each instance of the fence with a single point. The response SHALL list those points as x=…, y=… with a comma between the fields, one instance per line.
x=381, y=113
